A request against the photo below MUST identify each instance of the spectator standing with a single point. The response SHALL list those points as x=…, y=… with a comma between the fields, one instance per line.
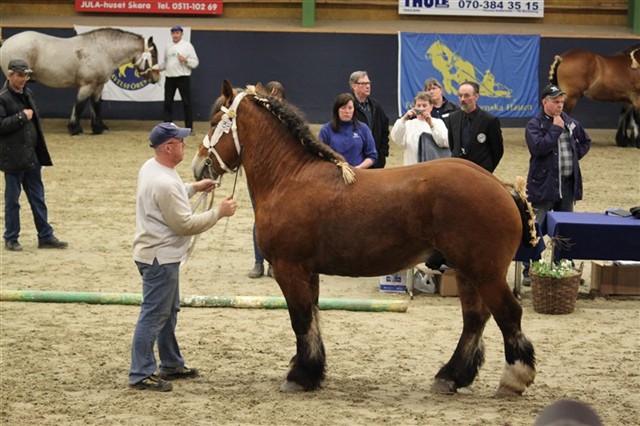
x=180, y=59
x=370, y=112
x=556, y=142
x=409, y=129
x=23, y=153
x=442, y=107
x=275, y=89
x=164, y=226
x=348, y=136
x=474, y=134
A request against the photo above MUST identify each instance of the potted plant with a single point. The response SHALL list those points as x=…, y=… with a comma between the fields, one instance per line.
x=554, y=284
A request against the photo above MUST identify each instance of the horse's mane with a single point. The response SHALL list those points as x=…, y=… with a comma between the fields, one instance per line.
x=113, y=32
x=292, y=118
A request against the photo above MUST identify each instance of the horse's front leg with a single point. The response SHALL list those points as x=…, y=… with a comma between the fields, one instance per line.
x=97, y=125
x=468, y=357
x=73, y=126
x=307, y=367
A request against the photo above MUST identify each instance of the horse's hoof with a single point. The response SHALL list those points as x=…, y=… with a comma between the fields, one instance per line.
x=289, y=386
x=445, y=387
x=506, y=392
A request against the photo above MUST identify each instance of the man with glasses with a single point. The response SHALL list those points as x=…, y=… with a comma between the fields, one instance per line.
x=23, y=153
x=164, y=226
x=370, y=112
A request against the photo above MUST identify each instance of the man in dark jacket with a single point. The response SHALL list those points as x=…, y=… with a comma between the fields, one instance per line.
x=370, y=112
x=474, y=134
x=23, y=152
x=556, y=143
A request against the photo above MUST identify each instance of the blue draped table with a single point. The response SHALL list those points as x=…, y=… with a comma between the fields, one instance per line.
x=594, y=236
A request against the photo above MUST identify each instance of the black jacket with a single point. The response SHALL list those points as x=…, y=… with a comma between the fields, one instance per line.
x=486, y=147
x=379, y=129
x=22, y=144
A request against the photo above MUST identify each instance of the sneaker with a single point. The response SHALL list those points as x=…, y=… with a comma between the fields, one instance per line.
x=13, y=245
x=270, y=271
x=257, y=271
x=53, y=243
x=153, y=383
x=526, y=281
x=183, y=373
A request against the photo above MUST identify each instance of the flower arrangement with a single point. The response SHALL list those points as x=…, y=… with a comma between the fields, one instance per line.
x=554, y=269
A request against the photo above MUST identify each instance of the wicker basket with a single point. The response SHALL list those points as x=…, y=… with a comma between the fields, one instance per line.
x=554, y=295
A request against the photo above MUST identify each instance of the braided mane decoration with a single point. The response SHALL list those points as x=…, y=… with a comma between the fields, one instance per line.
x=300, y=130
x=520, y=191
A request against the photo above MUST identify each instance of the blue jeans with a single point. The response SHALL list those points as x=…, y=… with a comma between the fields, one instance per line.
x=157, y=321
x=565, y=204
x=31, y=181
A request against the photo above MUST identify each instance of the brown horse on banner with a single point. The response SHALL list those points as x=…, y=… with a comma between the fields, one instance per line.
x=315, y=215
x=613, y=78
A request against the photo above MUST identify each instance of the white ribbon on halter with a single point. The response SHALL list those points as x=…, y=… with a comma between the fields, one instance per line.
x=145, y=59
x=226, y=123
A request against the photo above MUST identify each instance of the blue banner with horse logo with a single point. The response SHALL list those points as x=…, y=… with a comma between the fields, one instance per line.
x=505, y=67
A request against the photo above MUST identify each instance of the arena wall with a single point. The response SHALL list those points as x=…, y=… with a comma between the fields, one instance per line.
x=314, y=67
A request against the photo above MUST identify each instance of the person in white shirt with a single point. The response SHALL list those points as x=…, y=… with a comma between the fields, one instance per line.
x=164, y=226
x=180, y=59
x=407, y=130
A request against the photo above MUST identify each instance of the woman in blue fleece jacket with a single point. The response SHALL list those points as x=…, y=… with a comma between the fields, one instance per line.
x=348, y=136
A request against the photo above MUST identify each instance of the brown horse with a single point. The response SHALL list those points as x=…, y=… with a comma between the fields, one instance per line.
x=613, y=78
x=315, y=215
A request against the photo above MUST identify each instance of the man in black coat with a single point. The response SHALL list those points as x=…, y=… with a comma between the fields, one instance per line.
x=370, y=112
x=23, y=152
x=474, y=134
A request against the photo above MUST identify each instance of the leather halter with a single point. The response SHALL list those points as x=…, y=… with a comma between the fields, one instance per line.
x=226, y=123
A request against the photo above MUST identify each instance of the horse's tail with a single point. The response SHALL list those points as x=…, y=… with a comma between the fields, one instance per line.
x=518, y=192
x=553, y=71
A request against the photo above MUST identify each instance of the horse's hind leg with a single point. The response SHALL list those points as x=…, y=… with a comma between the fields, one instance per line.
x=307, y=367
x=468, y=357
x=97, y=125
x=520, y=366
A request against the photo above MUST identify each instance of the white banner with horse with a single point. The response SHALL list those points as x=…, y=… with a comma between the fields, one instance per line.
x=125, y=84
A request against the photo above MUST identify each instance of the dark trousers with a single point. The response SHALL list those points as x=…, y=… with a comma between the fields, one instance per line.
x=31, y=181
x=183, y=85
x=565, y=204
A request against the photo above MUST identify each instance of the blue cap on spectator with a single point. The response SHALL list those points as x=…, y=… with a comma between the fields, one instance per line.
x=177, y=28
x=164, y=131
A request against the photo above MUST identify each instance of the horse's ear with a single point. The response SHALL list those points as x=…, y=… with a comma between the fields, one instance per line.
x=227, y=89
x=260, y=90
x=151, y=40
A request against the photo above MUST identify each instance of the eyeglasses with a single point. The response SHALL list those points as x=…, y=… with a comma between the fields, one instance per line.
x=364, y=83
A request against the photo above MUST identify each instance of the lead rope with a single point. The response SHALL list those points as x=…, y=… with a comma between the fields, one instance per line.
x=203, y=198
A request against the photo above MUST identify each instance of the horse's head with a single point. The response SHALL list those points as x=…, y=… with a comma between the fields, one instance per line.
x=146, y=63
x=220, y=149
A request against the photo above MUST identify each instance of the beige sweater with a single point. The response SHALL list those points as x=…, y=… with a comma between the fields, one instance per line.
x=164, y=220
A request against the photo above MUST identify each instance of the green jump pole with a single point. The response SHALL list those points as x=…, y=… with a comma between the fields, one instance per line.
x=246, y=302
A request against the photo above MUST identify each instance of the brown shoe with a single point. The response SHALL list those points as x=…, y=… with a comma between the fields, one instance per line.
x=183, y=373
x=153, y=383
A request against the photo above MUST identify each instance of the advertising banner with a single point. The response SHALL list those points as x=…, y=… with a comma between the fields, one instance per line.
x=490, y=8
x=184, y=7
x=504, y=66
x=125, y=84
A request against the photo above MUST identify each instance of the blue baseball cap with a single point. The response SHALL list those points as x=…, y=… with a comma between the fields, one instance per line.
x=164, y=131
x=177, y=28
